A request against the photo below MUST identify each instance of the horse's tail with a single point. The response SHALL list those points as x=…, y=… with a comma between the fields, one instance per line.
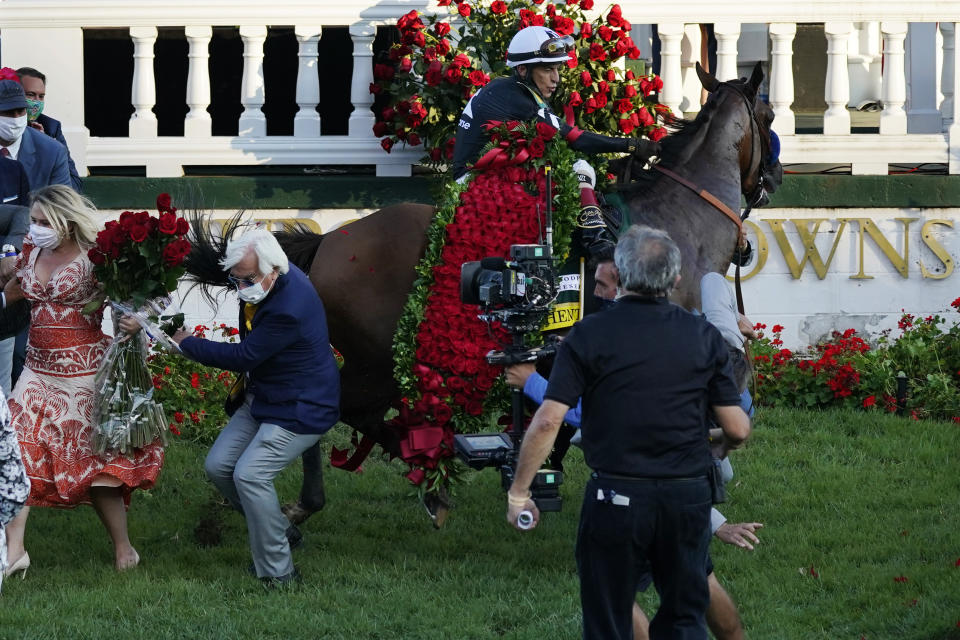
x=300, y=244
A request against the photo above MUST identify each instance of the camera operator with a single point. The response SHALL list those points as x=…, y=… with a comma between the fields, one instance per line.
x=650, y=466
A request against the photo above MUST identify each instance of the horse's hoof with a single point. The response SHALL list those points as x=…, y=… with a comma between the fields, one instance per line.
x=296, y=513
x=438, y=507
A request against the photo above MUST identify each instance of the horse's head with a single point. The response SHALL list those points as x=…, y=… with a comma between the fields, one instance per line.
x=760, y=169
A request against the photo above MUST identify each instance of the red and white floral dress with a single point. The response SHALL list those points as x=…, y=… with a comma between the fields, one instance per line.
x=52, y=404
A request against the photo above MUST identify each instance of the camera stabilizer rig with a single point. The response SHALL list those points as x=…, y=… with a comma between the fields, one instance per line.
x=518, y=292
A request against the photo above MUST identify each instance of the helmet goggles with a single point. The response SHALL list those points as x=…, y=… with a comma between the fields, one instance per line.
x=550, y=50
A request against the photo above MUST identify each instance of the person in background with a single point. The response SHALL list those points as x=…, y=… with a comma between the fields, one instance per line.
x=35, y=89
x=52, y=405
x=14, y=483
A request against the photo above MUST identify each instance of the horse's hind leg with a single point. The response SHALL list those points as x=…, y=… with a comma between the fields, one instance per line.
x=312, y=496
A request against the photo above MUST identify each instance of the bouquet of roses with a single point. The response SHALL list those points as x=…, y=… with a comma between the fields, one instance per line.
x=138, y=260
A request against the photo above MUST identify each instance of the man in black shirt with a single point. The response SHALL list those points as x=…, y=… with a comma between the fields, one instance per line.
x=647, y=372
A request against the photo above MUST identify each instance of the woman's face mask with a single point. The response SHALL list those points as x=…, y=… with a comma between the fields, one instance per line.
x=44, y=237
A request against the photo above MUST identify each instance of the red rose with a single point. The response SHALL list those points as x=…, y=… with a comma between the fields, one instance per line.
x=626, y=126
x=601, y=100
x=413, y=139
x=597, y=52
x=474, y=407
x=615, y=17
x=442, y=413
x=453, y=74
x=96, y=256
x=545, y=131
x=621, y=49
x=526, y=18
x=168, y=223
x=605, y=33
x=646, y=119
x=441, y=28
x=461, y=60
x=139, y=232
x=417, y=476
x=538, y=20
x=380, y=129
x=611, y=75
x=375, y=89
x=585, y=78
x=590, y=105
x=387, y=144
x=624, y=106
x=478, y=78
x=586, y=4
x=586, y=30
x=630, y=75
x=127, y=220
x=603, y=87
x=383, y=71
x=163, y=202
x=657, y=134
x=141, y=217
x=464, y=10
x=575, y=99
x=630, y=91
x=436, y=154
x=536, y=147
x=564, y=26
x=498, y=7
x=388, y=114
x=183, y=227
x=573, y=61
x=434, y=74
x=405, y=65
x=443, y=48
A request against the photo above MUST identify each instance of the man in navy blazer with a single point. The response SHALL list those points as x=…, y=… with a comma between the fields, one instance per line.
x=292, y=391
x=35, y=89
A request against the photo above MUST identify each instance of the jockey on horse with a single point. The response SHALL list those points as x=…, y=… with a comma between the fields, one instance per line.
x=536, y=55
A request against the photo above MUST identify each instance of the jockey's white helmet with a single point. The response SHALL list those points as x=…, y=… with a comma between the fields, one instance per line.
x=538, y=45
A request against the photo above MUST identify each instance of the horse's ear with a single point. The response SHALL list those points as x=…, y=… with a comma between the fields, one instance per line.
x=707, y=79
x=757, y=76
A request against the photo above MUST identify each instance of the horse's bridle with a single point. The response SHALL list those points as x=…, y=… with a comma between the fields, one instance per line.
x=756, y=194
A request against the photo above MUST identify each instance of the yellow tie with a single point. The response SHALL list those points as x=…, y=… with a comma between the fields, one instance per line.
x=249, y=310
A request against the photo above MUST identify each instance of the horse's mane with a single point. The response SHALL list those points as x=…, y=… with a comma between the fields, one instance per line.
x=682, y=132
x=300, y=244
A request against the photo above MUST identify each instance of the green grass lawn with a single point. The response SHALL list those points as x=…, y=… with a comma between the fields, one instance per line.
x=861, y=498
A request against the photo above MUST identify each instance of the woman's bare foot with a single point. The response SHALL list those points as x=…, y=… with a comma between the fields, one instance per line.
x=127, y=559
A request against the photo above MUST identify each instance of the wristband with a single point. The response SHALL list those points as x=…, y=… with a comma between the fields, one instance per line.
x=517, y=502
x=9, y=251
x=3, y=300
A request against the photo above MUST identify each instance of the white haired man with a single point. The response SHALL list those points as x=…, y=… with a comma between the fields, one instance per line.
x=645, y=437
x=291, y=397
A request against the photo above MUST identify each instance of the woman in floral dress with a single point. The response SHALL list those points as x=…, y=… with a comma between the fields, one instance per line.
x=14, y=484
x=53, y=403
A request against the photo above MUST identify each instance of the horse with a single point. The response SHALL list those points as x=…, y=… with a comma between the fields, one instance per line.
x=364, y=271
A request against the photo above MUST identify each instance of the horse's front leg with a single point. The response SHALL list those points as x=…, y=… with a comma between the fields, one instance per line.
x=312, y=495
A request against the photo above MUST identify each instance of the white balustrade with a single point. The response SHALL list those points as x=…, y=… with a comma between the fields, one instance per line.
x=143, y=122
x=670, y=35
x=690, y=47
x=947, y=72
x=306, y=124
x=198, y=122
x=781, y=76
x=918, y=86
x=836, y=120
x=893, y=119
x=727, y=34
x=253, y=122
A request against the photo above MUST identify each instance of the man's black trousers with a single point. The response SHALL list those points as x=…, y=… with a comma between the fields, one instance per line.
x=666, y=529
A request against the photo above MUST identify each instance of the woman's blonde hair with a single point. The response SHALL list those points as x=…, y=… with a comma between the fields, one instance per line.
x=63, y=206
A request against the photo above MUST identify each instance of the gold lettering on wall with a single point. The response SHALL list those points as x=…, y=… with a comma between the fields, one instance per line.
x=868, y=228
x=926, y=234
x=807, y=238
x=761, y=249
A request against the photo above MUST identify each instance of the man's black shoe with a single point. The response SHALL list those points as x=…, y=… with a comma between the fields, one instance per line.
x=294, y=537
x=287, y=581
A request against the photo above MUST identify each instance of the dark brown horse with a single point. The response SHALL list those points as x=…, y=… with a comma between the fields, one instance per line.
x=364, y=272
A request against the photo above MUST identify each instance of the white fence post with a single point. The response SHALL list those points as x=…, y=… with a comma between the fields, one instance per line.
x=361, y=119
x=253, y=123
x=670, y=35
x=727, y=34
x=923, y=116
x=947, y=73
x=198, y=122
x=306, y=124
x=954, y=130
x=689, y=56
x=893, y=118
x=143, y=122
x=836, y=119
x=781, y=76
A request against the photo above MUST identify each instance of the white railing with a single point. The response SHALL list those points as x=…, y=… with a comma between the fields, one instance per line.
x=919, y=122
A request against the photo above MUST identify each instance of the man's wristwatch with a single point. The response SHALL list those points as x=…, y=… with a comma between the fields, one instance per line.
x=9, y=251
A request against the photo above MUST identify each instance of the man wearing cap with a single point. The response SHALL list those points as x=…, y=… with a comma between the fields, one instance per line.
x=43, y=158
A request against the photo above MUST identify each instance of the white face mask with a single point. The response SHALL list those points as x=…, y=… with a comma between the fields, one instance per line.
x=254, y=293
x=44, y=237
x=12, y=128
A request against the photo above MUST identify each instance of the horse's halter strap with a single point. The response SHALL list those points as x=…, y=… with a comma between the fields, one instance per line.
x=756, y=195
x=703, y=193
